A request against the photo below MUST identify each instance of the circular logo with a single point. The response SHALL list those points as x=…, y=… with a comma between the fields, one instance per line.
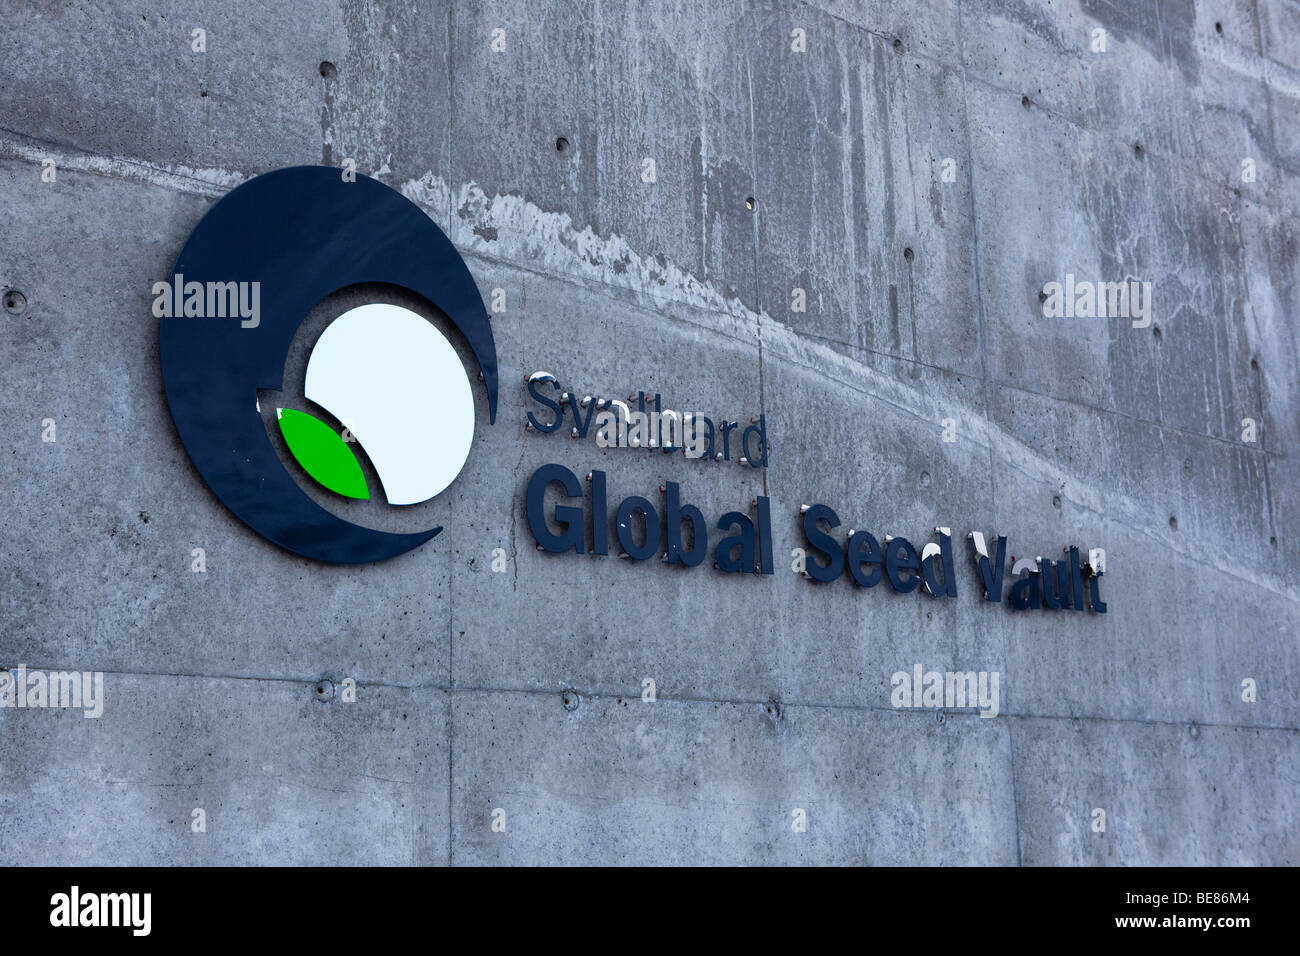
x=257, y=263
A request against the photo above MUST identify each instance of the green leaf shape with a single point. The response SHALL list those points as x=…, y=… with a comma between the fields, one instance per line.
x=322, y=453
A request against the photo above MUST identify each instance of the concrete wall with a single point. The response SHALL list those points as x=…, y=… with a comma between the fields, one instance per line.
x=773, y=692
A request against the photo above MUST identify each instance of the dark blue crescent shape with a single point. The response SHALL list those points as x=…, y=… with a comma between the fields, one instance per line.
x=303, y=233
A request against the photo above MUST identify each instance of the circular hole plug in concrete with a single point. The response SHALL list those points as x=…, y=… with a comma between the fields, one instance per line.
x=15, y=302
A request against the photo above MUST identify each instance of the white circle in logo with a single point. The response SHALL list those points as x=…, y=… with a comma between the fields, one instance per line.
x=396, y=381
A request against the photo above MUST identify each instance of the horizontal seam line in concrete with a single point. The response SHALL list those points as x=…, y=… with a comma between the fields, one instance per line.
x=687, y=699
x=583, y=282
x=853, y=347
x=1279, y=588
x=1258, y=447
x=573, y=279
x=208, y=189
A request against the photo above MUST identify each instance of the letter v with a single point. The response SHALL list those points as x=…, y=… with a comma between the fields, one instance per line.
x=581, y=423
x=992, y=570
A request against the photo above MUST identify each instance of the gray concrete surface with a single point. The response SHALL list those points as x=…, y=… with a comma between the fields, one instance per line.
x=773, y=693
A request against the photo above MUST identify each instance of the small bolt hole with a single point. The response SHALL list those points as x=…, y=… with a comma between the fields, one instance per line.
x=15, y=302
